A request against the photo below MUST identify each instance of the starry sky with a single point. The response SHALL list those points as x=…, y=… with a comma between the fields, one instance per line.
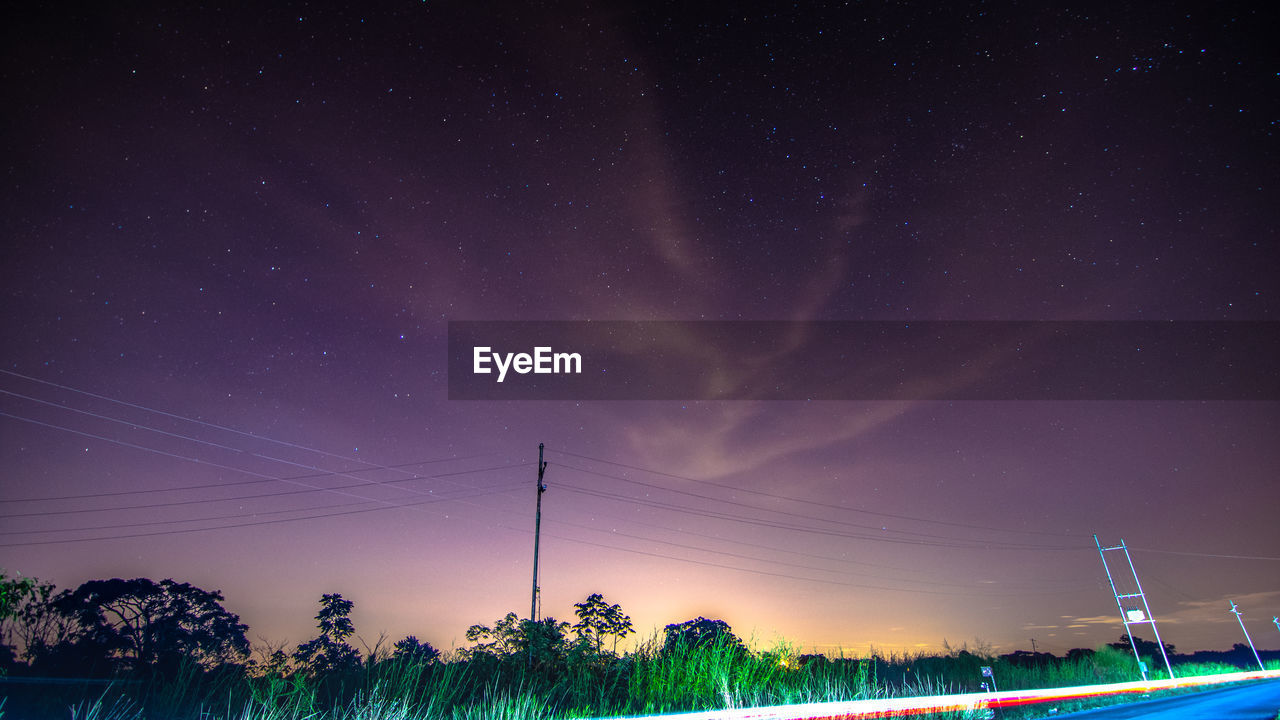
x=235, y=238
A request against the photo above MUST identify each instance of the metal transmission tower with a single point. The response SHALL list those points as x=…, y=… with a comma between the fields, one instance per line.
x=537, y=530
x=1130, y=612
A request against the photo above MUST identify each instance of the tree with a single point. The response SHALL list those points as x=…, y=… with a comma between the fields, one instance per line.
x=137, y=623
x=39, y=625
x=1146, y=648
x=16, y=593
x=1079, y=654
x=412, y=650
x=598, y=619
x=13, y=591
x=541, y=642
x=501, y=640
x=271, y=661
x=330, y=653
x=700, y=632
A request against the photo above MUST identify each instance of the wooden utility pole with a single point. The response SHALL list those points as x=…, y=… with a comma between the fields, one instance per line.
x=537, y=529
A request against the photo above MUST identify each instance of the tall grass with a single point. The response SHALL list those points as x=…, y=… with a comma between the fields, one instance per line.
x=656, y=678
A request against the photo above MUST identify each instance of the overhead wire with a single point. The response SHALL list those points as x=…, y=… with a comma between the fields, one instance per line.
x=202, y=461
x=197, y=440
x=311, y=515
x=412, y=504
x=230, y=498
x=745, y=505
x=930, y=540
x=295, y=480
x=234, y=483
x=769, y=573
x=175, y=416
x=735, y=488
x=248, y=513
x=615, y=533
x=770, y=547
x=968, y=543
x=218, y=427
x=1205, y=555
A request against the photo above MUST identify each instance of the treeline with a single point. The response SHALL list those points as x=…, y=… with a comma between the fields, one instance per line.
x=172, y=650
x=157, y=641
x=106, y=628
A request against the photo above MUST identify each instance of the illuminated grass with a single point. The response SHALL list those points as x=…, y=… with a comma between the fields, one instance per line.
x=651, y=680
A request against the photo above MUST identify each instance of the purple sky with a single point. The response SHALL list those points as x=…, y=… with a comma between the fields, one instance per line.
x=234, y=240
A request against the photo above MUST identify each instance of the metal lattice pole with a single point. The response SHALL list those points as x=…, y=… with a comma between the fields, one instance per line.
x=1136, y=615
x=1240, y=619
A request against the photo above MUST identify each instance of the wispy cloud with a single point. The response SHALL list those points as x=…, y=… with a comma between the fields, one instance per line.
x=1079, y=622
x=1218, y=610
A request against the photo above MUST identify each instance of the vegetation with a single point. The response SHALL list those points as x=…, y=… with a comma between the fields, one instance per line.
x=138, y=649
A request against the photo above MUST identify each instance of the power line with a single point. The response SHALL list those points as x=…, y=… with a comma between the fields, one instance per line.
x=1206, y=555
x=191, y=420
x=206, y=462
x=122, y=422
x=745, y=505
x=193, y=439
x=784, y=526
x=200, y=422
x=251, y=513
x=371, y=500
x=769, y=573
x=205, y=486
x=177, y=503
x=744, y=543
x=969, y=543
x=807, y=502
x=952, y=542
x=413, y=504
x=725, y=553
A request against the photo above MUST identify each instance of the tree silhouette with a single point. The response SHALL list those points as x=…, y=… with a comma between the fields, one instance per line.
x=539, y=642
x=139, y=622
x=700, y=632
x=13, y=592
x=29, y=619
x=330, y=653
x=543, y=642
x=1146, y=648
x=501, y=640
x=598, y=619
x=411, y=649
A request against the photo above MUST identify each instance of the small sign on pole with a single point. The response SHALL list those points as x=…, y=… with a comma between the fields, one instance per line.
x=987, y=672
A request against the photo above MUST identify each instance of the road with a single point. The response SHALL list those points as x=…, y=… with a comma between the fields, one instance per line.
x=1255, y=701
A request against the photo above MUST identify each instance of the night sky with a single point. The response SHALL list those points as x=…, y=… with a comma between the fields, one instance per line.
x=235, y=237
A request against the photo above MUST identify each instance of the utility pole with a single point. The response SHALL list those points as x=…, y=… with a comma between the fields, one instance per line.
x=537, y=530
x=1130, y=612
x=1033, y=646
x=1236, y=610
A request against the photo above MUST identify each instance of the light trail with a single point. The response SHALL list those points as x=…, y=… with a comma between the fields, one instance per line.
x=892, y=707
